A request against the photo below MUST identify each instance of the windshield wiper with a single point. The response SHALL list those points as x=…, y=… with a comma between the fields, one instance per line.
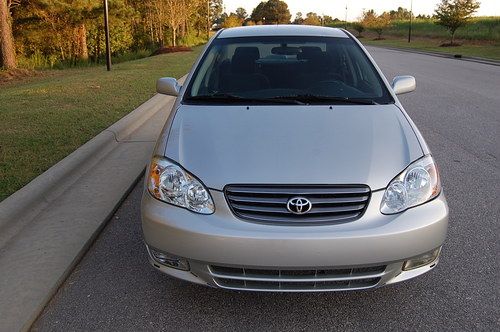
x=227, y=97
x=310, y=98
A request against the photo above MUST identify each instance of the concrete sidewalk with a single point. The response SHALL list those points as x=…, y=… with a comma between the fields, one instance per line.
x=46, y=227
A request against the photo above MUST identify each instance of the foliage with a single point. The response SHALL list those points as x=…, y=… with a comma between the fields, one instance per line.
x=53, y=33
x=312, y=19
x=232, y=20
x=359, y=27
x=376, y=23
x=271, y=12
x=400, y=14
x=452, y=14
x=241, y=13
x=298, y=18
x=327, y=20
x=315, y=19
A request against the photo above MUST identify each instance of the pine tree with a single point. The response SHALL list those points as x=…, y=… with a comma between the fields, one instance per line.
x=7, y=48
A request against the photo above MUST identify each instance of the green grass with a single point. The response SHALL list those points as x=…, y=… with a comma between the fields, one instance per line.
x=488, y=51
x=45, y=118
x=479, y=28
x=479, y=38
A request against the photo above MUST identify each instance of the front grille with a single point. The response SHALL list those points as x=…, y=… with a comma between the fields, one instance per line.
x=297, y=280
x=268, y=203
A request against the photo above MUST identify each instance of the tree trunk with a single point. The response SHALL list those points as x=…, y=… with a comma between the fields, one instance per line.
x=7, y=49
x=161, y=36
x=182, y=31
x=174, y=36
x=81, y=42
x=452, y=37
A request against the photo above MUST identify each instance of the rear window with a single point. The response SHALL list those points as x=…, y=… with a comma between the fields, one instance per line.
x=263, y=68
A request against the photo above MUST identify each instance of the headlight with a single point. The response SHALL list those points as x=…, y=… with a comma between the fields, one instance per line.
x=170, y=183
x=417, y=184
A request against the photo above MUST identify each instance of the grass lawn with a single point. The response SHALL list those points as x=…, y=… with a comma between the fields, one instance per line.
x=479, y=38
x=478, y=28
x=488, y=50
x=45, y=118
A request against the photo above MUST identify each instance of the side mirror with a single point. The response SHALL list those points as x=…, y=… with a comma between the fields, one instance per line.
x=403, y=84
x=168, y=86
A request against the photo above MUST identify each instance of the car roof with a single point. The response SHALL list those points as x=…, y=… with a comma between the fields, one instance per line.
x=281, y=30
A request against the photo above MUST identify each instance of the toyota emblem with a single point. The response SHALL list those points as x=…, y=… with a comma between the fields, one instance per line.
x=299, y=205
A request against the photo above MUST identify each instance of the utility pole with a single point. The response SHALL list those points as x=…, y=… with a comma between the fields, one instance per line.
x=106, y=29
x=345, y=17
x=411, y=15
x=208, y=20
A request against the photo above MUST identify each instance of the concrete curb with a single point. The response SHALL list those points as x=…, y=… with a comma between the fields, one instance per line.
x=48, y=225
x=47, y=186
x=441, y=55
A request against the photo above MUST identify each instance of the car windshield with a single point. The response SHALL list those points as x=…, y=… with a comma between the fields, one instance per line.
x=295, y=70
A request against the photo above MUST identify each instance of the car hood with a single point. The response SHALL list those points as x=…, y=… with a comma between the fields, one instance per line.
x=359, y=144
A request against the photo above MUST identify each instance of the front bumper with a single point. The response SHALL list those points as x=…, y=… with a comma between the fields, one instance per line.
x=221, y=239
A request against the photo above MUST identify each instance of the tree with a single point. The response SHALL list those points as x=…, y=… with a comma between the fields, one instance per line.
x=7, y=48
x=298, y=18
x=241, y=13
x=49, y=32
x=199, y=20
x=359, y=27
x=376, y=23
x=400, y=14
x=216, y=10
x=233, y=20
x=312, y=19
x=258, y=13
x=57, y=27
x=177, y=14
x=271, y=12
x=452, y=14
x=328, y=20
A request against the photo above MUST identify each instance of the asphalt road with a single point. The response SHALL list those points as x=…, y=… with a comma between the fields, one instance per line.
x=457, y=108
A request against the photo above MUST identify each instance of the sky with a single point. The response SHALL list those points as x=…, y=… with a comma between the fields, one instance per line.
x=336, y=8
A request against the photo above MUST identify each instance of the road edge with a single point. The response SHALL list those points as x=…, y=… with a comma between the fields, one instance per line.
x=439, y=54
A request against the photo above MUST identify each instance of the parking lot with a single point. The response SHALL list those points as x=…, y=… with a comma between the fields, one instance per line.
x=457, y=108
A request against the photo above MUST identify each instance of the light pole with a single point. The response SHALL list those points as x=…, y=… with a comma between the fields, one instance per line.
x=411, y=15
x=345, y=26
x=106, y=31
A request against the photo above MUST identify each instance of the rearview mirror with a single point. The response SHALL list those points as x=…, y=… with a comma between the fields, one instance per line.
x=168, y=86
x=403, y=84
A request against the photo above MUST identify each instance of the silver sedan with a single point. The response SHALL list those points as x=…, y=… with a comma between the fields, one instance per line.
x=289, y=164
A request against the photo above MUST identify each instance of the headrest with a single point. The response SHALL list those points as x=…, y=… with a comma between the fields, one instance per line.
x=243, y=61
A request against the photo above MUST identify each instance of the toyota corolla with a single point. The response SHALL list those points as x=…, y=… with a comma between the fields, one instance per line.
x=288, y=164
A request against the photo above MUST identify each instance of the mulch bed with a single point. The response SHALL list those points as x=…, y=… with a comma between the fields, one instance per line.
x=7, y=76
